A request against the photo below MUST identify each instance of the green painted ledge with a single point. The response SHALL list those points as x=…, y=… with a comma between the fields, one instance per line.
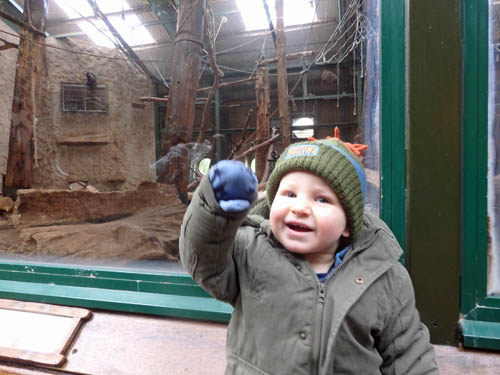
x=172, y=295
x=177, y=306
x=480, y=334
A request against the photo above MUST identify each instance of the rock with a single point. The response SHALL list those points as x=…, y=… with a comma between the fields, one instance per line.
x=92, y=189
x=6, y=204
x=55, y=207
x=102, y=228
x=80, y=185
x=150, y=234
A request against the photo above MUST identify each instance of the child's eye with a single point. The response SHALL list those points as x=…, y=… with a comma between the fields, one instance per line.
x=322, y=200
x=287, y=193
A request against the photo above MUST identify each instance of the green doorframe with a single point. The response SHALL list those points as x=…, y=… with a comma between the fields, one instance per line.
x=434, y=168
x=176, y=295
x=480, y=323
x=392, y=117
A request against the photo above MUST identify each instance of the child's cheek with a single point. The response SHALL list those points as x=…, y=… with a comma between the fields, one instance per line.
x=274, y=218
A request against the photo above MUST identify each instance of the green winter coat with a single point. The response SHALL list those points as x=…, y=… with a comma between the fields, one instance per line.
x=361, y=321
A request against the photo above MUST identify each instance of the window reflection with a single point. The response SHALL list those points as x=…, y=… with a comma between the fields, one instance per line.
x=97, y=200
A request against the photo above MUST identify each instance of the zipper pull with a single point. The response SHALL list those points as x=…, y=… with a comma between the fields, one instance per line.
x=322, y=293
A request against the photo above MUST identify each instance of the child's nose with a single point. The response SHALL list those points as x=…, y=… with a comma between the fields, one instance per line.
x=300, y=206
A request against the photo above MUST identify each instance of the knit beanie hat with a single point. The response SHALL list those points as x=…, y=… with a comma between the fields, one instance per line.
x=334, y=161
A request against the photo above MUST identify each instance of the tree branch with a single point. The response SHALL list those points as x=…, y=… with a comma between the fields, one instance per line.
x=269, y=159
x=252, y=149
x=7, y=45
x=243, y=135
x=232, y=83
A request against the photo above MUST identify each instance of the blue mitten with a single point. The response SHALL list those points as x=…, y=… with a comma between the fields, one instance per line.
x=235, y=186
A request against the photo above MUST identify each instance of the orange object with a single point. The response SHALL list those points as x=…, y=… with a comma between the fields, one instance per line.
x=355, y=148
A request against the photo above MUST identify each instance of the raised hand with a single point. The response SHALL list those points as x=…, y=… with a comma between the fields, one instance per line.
x=234, y=185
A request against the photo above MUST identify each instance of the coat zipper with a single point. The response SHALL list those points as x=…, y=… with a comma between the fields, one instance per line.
x=321, y=305
x=318, y=326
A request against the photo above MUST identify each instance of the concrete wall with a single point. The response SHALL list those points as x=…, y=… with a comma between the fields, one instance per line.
x=124, y=162
x=121, y=163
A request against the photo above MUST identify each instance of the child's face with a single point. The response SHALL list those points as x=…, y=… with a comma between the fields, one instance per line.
x=307, y=217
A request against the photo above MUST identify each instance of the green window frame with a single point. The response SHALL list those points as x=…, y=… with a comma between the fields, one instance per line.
x=480, y=321
x=393, y=117
x=177, y=295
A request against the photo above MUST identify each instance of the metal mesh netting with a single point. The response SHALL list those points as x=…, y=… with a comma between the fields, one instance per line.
x=353, y=29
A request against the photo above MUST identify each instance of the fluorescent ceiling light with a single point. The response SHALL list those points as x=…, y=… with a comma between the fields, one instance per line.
x=303, y=121
x=128, y=27
x=295, y=12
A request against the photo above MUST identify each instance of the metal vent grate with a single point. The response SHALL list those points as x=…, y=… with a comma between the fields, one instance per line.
x=83, y=98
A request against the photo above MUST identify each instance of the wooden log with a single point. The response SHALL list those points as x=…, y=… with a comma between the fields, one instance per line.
x=36, y=208
x=262, y=95
x=232, y=83
x=153, y=99
x=284, y=117
x=22, y=145
x=210, y=48
x=179, y=123
x=288, y=57
x=269, y=160
x=85, y=140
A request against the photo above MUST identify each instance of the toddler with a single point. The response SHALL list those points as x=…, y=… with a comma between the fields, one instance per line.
x=317, y=287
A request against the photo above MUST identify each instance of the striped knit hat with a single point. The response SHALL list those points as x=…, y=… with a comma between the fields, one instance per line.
x=334, y=161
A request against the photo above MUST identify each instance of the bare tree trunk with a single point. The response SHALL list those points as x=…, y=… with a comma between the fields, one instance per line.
x=182, y=94
x=210, y=47
x=263, y=122
x=285, y=134
x=19, y=174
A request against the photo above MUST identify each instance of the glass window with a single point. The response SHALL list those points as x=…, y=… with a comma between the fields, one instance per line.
x=255, y=14
x=128, y=25
x=98, y=201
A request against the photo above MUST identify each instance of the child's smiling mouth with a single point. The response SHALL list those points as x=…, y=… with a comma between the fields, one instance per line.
x=297, y=227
